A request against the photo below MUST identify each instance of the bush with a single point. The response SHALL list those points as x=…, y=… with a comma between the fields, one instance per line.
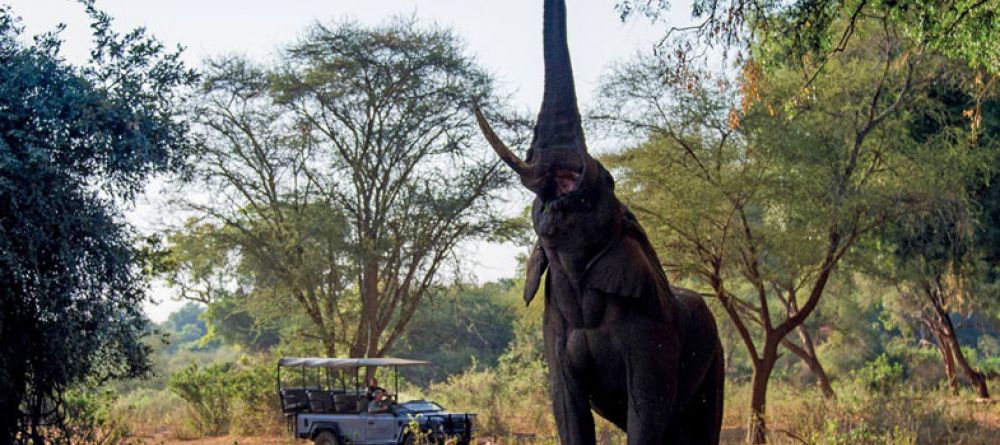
x=226, y=398
x=206, y=392
x=880, y=375
x=87, y=418
x=256, y=407
x=990, y=366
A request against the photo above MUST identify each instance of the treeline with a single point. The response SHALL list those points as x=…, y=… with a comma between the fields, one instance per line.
x=831, y=192
x=850, y=163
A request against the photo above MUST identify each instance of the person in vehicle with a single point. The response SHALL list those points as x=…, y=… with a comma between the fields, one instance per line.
x=379, y=403
x=372, y=387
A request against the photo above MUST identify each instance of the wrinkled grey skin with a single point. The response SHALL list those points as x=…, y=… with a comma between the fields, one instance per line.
x=618, y=338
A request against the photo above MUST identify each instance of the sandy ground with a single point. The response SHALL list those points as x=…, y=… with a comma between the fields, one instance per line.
x=162, y=436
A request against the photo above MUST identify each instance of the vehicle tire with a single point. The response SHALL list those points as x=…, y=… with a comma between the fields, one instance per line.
x=408, y=439
x=326, y=438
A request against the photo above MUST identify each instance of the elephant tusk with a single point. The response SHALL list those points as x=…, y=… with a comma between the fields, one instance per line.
x=499, y=147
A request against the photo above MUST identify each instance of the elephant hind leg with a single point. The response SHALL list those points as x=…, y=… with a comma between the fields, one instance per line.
x=701, y=420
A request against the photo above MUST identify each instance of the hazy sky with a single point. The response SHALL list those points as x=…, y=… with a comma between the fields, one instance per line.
x=503, y=35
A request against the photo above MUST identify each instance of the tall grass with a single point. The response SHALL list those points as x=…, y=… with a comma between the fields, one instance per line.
x=513, y=408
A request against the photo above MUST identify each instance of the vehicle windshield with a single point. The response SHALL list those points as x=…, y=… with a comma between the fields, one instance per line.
x=422, y=406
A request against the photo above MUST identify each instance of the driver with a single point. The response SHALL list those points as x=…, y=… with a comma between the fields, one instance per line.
x=379, y=403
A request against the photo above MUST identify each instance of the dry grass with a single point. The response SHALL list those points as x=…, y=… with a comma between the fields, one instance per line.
x=803, y=416
x=518, y=413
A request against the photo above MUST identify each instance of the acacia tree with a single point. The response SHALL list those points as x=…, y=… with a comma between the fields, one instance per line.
x=935, y=265
x=75, y=142
x=762, y=191
x=942, y=259
x=347, y=173
x=812, y=33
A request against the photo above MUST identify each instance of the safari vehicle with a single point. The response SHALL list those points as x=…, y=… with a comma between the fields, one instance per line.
x=324, y=400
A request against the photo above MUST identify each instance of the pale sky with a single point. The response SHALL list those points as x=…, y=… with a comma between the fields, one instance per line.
x=504, y=36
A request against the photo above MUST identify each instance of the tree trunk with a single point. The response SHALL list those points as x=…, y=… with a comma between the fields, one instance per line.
x=951, y=338
x=367, y=325
x=757, y=429
x=330, y=344
x=371, y=314
x=812, y=360
x=948, y=359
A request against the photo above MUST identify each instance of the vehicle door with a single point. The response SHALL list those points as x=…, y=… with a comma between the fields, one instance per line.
x=382, y=428
x=352, y=427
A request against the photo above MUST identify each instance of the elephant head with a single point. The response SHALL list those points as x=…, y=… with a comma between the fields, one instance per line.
x=575, y=209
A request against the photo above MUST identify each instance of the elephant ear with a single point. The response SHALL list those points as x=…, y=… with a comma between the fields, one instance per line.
x=537, y=263
x=624, y=269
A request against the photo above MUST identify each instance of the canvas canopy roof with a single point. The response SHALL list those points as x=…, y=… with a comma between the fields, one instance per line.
x=344, y=363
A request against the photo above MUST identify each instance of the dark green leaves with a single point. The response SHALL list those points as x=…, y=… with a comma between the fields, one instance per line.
x=71, y=291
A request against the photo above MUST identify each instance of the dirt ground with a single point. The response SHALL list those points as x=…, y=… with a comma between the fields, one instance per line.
x=162, y=436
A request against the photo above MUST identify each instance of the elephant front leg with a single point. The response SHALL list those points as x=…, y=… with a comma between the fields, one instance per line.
x=571, y=406
x=652, y=396
x=650, y=423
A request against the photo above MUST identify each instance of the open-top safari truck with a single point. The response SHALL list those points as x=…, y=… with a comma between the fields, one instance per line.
x=325, y=400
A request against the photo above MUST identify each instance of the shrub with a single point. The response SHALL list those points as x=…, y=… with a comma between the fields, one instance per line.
x=255, y=405
x=206, y=392
x=880, y=375
x=990, y=366
x=87, y=418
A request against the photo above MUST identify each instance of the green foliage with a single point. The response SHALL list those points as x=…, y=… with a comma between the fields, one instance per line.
x=235, y=320
x=990, y=366
x=256, y=409
x=462, y=325
x=808, y=33
x=185, y=329
x=75, y=142
x=863, y=433
x=206, y=268
x=87, y=419
x=345, y=174
x=511, y=396
x=880, y=376
x=206, y=390
x=226, y=398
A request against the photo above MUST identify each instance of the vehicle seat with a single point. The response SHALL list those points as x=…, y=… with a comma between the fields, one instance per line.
x=345, y=403
x=320, y=401
x=294, y=399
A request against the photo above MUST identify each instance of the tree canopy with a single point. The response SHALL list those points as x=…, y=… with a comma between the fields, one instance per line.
x=343, y=176
x=759, y=188
x=75, y=141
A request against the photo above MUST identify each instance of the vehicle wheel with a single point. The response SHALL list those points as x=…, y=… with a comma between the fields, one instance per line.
x=409, y=439
x=326, y=438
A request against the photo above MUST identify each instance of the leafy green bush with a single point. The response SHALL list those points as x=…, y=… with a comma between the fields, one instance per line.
x=880, y=375
x=255, y=405
x=990, y=366
x=87, y=418
x=207, y=394
x=226, y=398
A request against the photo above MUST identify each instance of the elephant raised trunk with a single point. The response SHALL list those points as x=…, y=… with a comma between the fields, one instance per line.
x=559, y=119
x=619, y=340
x=558, y=149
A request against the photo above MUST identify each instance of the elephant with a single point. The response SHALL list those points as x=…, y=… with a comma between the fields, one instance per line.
x=619, y=339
